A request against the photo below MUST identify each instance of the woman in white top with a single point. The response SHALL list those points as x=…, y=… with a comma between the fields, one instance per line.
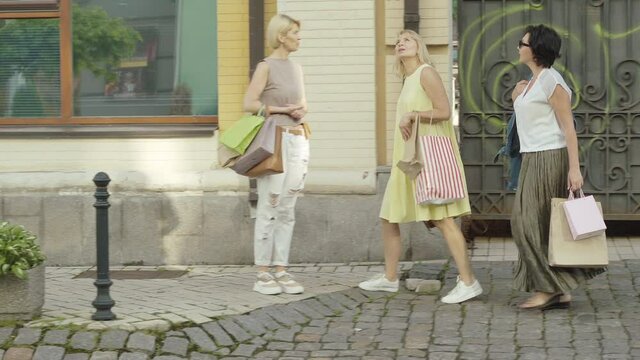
x=550, y=168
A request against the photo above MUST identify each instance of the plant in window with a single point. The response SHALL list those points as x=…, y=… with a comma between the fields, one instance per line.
x=30, y=57
x=181, y=100
x=101, y=42
x=29, y=64
x=19, y=251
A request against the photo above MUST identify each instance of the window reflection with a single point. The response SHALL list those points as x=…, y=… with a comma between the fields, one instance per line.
x=29, y=68
x=169, y=70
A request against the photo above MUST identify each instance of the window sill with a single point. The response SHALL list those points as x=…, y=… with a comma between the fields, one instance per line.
x=102, y=131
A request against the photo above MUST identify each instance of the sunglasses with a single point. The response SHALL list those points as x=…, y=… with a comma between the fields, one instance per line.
x=521, y=44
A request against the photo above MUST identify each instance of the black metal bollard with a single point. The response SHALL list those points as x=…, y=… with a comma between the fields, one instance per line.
x=103, y=302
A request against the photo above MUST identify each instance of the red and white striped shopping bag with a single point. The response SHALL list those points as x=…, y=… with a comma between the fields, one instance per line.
x=440, y=181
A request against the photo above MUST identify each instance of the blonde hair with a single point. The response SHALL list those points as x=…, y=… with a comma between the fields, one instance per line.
x=279, y=24
x=422, y=52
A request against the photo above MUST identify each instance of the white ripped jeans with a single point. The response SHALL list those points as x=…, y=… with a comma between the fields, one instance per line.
x=277, y=195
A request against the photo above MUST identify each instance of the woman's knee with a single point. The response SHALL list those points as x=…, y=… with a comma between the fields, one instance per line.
x=390, y=228
x=445, y=224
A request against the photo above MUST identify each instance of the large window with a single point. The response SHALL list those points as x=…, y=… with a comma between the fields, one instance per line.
x=108, y=61
x=29, y=68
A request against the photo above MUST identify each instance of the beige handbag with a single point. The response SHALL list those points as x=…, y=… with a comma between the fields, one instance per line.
x=566, y=252
x=410, y=164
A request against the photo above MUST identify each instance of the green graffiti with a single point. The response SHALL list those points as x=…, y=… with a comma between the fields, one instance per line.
x=486, y=64
x=496, y=122
x=514, y=62
x=597, y=28
x=506, y=68
x=607, y=76
x=574, y=83
x=474, y=35
x=491, y=18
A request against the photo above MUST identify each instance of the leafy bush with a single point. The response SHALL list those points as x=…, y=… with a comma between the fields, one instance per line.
x=101, y=42
x=19, y=251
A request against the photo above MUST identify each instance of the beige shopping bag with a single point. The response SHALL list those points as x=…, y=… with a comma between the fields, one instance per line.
x=272, y=164
x=566, y=252
x=410, y=164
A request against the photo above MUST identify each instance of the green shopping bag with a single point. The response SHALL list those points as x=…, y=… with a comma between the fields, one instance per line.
x=239, y=136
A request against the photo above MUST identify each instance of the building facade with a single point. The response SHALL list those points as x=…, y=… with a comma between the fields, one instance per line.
x=151, y=122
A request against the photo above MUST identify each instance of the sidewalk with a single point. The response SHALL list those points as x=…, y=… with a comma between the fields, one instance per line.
x=211, y=313
x=202, y=294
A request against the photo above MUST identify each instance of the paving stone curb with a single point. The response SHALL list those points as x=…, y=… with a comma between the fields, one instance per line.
x=238, y=336
x=352, y=324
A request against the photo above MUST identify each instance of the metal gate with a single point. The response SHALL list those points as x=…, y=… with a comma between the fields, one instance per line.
x=599, y=60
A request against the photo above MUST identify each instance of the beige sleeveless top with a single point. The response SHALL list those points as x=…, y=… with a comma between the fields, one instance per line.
x=284, y=86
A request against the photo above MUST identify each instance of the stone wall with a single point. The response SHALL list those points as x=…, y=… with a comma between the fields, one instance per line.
x=154, y=228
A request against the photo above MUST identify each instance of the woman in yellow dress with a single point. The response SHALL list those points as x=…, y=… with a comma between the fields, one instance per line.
x=422, y=97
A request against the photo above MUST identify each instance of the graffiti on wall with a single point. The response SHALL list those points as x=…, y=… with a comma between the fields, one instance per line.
x=599, y=61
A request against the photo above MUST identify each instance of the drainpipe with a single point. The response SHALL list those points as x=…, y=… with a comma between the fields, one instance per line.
x=412, y=15
x=256, y=33
x=256, y=53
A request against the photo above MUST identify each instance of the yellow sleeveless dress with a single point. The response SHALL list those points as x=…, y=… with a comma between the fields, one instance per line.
x=399, y=204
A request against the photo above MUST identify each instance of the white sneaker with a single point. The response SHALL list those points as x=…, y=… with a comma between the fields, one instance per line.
x=288, y=285
x=266, y=284
x=379, y=283
x=462, y=292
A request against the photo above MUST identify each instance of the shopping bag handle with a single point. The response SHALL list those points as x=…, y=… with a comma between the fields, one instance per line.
x=418, y=117
x=571, y=196
x=414, y=131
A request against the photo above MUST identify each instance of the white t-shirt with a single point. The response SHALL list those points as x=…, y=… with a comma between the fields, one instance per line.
x=538, y=128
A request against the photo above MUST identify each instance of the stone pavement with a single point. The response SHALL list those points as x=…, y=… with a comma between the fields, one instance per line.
x=332, y=320
x=504, y=249
x=202, y=294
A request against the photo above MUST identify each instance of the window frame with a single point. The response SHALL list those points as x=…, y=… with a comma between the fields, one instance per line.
x=18, y=8
x=61, y=9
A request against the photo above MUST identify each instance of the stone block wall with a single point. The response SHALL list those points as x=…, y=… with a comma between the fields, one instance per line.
x=157, y=228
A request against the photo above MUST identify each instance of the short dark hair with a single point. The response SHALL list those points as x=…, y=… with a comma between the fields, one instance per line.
x=544, y=43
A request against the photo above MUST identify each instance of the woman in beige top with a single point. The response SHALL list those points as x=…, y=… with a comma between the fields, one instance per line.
x=277, y=85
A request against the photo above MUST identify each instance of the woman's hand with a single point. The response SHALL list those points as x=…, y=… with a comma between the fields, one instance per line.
x=575, y=180
x=297, y=111
x=290, y=109
x=406, y=125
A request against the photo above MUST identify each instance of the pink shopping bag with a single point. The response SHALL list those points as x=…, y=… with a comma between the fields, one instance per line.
x=584, y=216
x=440, y=180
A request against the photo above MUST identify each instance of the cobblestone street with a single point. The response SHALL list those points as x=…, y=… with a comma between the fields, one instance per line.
x=168, y=164
x=347, y=323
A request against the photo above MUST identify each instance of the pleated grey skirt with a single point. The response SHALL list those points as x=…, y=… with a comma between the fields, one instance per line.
x=543, y=176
